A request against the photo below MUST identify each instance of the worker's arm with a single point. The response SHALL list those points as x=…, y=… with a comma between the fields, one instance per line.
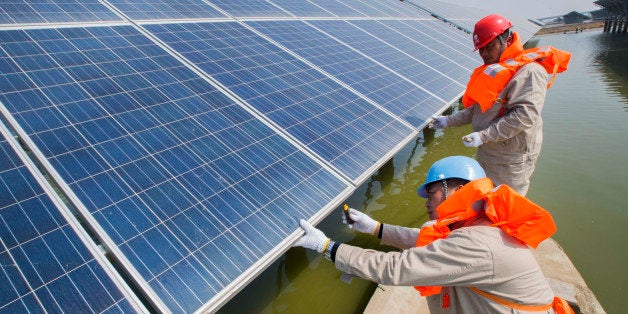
x=462, y=117
x=397, y=236
x=460, y=259
x=526, y=96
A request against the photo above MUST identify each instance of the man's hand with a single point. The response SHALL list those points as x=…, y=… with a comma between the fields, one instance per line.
x=361, y=221
x=438, y=122
x=472, y=140
x=313, y=239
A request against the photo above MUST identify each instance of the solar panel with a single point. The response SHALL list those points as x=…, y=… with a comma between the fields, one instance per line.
x=442, y=40
x=456, y=14
x=24, y=12
x=46, y=265
x=166, y=9
x=338, y=8
x=465, y=17
x=385, y=87
x=398, y=9
x=335, y=123
x=303, y=8
x=417, y=43
x=190, y=190
x=361, y=36
x=251, y=8
x=371, y=8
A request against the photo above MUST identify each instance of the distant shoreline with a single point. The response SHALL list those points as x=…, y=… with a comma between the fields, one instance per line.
x=570, y=28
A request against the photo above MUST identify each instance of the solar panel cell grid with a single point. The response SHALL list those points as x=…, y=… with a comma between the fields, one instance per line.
x=166, y=9
x=66, y=11
x=288, y=91
x=46, y=266
x=446, y=41
x=369, y=8
x=250, y=8
x=303, y=8
x=360, y=35
x=386, y=88
x=417, y=44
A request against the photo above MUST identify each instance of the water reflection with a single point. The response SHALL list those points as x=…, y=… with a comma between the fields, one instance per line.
x=612, y=62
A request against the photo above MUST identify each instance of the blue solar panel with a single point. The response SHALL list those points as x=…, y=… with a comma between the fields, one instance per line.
x=338, y=8
x=304, y=8
x=50, y=11
x=420, y=45
x=376, y=8
x=250, y=8
x=335, y=123
x=455, y=14
x=166, y=9
x=45, y=265
x=442, y=40
x=398, y=9
x=388, y=89
x=465, y=17
x=189, y=188
x=380, y=43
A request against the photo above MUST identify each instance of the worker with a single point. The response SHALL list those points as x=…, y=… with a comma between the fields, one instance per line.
x=473, y=258
x=503, y=101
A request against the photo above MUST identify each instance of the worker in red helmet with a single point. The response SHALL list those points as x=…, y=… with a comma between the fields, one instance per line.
x=504, y=100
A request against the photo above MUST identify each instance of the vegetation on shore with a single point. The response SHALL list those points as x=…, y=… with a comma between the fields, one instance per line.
x=570, y=28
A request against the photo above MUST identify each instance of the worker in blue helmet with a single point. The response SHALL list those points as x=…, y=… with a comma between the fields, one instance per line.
x=466, y=258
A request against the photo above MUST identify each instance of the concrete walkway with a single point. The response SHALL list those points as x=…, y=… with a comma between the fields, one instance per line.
x=560, y=272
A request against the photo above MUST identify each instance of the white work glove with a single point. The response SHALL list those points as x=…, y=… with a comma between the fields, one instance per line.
x=313, y=239
x=472, y=140
x=438, y=122
x=361, y=221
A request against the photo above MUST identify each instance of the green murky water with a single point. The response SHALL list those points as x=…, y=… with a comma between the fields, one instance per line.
x=581, y=178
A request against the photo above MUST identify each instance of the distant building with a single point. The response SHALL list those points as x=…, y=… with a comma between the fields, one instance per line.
x=574, y=17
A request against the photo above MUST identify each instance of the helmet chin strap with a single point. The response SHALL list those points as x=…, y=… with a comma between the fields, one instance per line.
x=446, y=190
x=503, y=42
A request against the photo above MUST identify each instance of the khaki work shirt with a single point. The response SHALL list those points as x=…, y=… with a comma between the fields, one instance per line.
x=475, y=256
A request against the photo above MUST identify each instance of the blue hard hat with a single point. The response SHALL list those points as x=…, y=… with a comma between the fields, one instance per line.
x=461, y=167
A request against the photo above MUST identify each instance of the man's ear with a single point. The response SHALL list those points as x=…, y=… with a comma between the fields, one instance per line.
x=458, y=187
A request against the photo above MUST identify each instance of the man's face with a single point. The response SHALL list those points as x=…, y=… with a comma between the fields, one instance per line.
x=435, y=196
x=491, y=52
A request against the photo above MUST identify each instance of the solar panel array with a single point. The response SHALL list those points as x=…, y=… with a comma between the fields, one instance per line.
x=188, y=137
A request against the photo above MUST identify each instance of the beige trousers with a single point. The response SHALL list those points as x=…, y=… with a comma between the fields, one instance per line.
x=515, y=175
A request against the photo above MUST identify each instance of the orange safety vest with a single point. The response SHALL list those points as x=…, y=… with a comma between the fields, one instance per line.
x=513, y=213
x=487, y=81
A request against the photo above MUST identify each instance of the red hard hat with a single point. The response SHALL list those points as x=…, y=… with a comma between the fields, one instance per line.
x=488, y=28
